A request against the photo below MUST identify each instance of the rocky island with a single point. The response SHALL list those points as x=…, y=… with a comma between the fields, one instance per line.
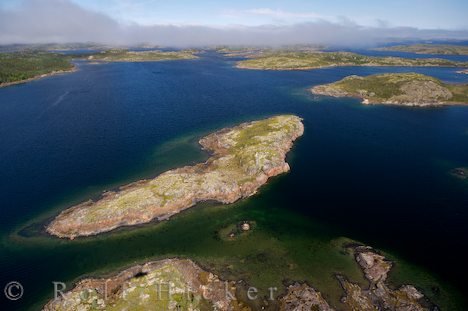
x=410, y=89
x=443, y=49
x=315, y=60
x=243, y=159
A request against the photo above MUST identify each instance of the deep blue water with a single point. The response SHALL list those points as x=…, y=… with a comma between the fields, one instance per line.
x=379, y=174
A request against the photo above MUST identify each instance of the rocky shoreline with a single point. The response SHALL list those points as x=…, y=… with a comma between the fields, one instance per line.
x=377, y=296
x=243, y=159
x=194, y=288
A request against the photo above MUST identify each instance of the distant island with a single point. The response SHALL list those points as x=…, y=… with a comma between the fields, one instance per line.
x=141, y=56
x=243, y=159
x=443, y=49
x=181, y=284
x=314, y=60
x=410, y=89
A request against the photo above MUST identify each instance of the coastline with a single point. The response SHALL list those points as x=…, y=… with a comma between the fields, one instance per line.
x=38, y=77
x=188, y=276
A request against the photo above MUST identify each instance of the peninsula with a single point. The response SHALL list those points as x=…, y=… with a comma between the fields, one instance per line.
x=443, y=49
x=119, y=55
x=19, y=67
x=315, y=60
x=243, y=159
x=410, y=89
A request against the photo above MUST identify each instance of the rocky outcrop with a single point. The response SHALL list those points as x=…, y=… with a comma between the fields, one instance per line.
x=379, y=296
x=301, y=297
x=243, y=159
x=171, y=284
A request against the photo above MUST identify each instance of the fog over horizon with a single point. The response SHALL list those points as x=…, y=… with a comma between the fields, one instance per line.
x=62, y=21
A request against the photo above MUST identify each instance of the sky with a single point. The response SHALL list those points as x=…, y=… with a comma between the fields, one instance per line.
x=268, y=22
x=445, y=14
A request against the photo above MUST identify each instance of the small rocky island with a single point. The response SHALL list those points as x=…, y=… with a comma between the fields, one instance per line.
x=305, y=60
x=409, y=89
x=243, y=159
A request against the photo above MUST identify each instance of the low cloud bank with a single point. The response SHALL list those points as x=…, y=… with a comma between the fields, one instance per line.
x=62, y=21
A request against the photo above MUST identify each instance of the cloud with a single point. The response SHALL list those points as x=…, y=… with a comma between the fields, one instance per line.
x=281, y=14
x=45, y=21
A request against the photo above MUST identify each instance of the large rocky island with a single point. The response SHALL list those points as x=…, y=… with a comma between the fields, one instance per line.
x=314, y=60
x=243, y=158
x=409, y=89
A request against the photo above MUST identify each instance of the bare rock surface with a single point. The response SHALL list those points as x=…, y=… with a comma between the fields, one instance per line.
x=301, y=297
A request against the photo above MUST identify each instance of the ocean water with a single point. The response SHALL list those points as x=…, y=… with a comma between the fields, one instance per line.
x=375, y=174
